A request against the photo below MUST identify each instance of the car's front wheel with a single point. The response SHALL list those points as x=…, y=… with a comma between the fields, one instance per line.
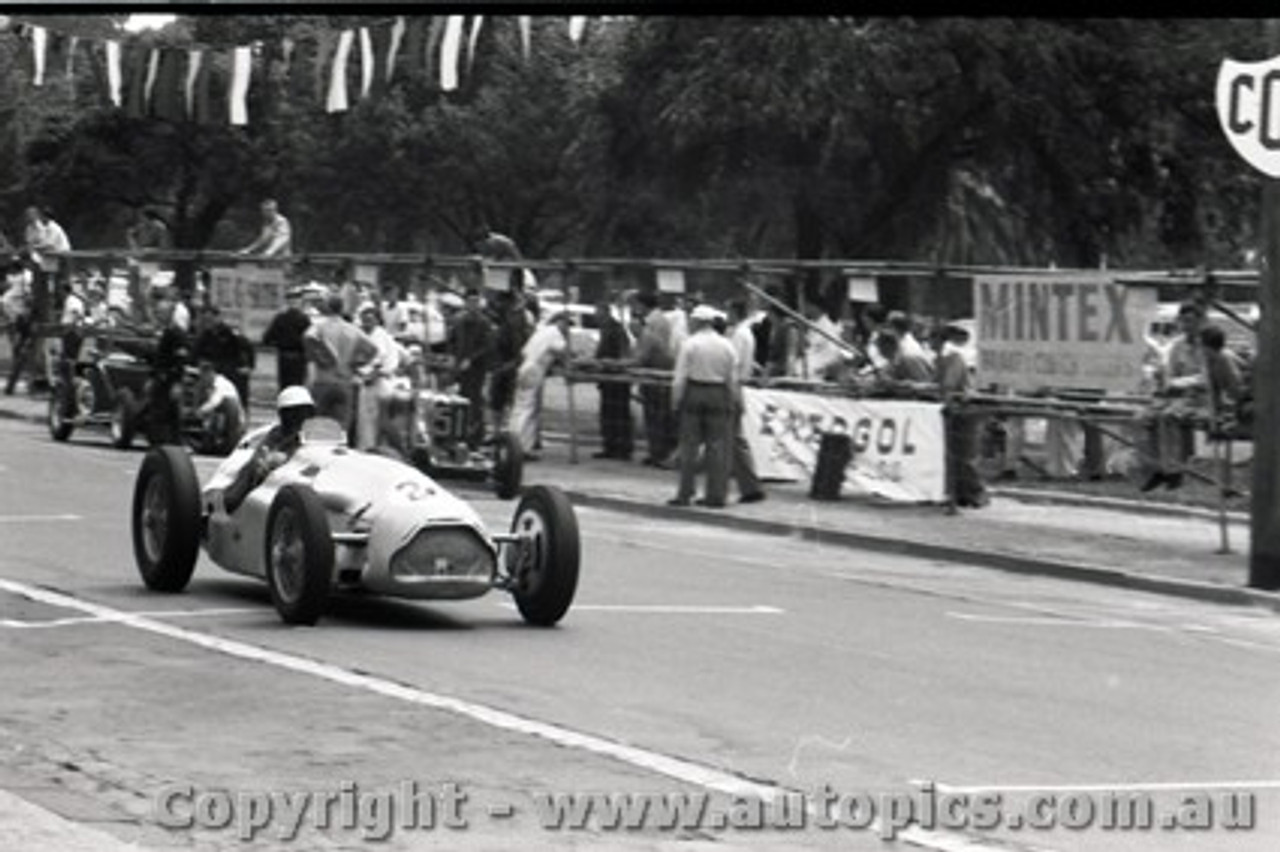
x=166, y=519
x=546, y=560
x=299, y=556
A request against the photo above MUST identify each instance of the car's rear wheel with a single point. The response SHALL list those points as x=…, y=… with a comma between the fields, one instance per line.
x=546, y=561
x=123, y=420
x=166, y=519
x=299, y=556
x=60, y=425
x=508, y=466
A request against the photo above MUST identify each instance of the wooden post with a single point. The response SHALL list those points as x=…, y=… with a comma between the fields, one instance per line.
x=1264, y=522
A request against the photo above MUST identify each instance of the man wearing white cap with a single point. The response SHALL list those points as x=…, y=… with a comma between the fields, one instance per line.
x=705, y=391
x=294, y=407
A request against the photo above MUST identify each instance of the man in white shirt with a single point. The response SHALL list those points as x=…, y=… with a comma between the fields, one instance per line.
x=73, y=308
x=742, y=465
x=908, y=344
x=704, y=390
x=821, y=354
x=436, y=334
x=375, y=378
x=276, y=237
x=221, y=414
x=548, y=344
x=43, y=234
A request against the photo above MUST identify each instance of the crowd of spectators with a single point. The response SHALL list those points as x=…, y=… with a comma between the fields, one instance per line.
x=354, y=346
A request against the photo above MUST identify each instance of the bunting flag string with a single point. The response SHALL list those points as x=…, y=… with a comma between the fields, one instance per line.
x=230, y=83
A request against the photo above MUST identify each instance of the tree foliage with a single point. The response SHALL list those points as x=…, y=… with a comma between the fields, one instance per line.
x=1027, y=141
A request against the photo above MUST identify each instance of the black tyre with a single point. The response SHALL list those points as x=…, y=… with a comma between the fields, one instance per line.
x=508, y=466
x=420, y=457
x=166, y=519
x=123, y=420
x=545, y=567
x=299, y=555
x=60, y=425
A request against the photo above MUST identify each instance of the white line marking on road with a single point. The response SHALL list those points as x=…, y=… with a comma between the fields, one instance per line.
x=97, y=619
x=672, y=609
x=676, y=768
x=24, y=519
x=1132, y=787
x=1051, y=621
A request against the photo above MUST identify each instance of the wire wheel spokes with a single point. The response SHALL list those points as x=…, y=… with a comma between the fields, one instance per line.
x=155, y=518
x=288, y=555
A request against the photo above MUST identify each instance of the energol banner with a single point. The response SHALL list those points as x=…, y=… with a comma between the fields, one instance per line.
x=1080, y=331
x=899, y=450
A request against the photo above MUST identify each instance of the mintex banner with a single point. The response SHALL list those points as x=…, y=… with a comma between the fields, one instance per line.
x=248, y=295
x=898, y=447
x=1080, y=331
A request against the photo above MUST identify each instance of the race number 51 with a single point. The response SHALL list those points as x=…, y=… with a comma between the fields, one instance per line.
x=1248, y=100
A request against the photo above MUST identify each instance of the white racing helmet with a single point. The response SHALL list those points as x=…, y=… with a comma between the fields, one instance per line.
x=295, y=396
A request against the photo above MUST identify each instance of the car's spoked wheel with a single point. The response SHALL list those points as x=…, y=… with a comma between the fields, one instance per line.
x=299, y=554
x=155, y=518
x=545, y=572
x=287, y=556
x=166, y=520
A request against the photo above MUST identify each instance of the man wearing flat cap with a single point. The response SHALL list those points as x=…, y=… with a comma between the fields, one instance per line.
x=705, y=391
x=286, y=333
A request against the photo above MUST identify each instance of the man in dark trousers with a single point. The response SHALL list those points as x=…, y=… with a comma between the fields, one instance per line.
x=705, y=390
x=615, y=397
x=472, y=342
x=514, y=325
x=286, y=333
x=653, y=352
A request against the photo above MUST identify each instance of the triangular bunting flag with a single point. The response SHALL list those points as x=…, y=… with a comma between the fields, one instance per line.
x=241, y=71
x=526, y=36
x=337, y=99
x=450, y=50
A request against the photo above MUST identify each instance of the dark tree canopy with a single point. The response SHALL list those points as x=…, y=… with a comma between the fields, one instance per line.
x=1002, y=141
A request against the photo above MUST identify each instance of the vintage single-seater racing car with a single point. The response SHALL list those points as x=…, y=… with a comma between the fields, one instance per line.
x=331, y=518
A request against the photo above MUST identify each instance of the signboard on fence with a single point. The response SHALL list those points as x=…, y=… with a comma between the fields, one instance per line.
x=1073, y=331
x=899, y=449
x=248, y=296
x=670, y=280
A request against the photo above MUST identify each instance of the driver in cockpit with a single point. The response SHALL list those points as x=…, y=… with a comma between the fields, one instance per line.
x=294, y=407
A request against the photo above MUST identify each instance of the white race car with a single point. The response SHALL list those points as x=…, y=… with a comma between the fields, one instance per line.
x=331, y=518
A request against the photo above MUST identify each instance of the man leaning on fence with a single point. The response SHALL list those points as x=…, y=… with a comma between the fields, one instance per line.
x=276, y=237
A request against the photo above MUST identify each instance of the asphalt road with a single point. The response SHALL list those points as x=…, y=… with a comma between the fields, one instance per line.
x=695, y=660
